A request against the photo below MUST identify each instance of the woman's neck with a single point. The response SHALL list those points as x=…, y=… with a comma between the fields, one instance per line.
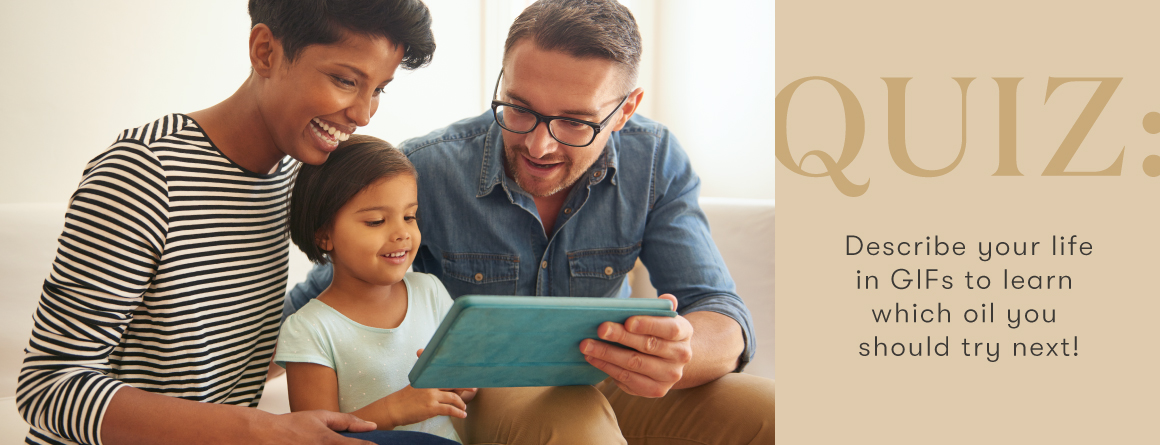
x=236, y=127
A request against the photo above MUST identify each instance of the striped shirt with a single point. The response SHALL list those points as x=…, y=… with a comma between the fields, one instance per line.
x=169, y=277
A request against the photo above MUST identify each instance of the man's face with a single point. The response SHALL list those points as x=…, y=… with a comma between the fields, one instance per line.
x=554, y=83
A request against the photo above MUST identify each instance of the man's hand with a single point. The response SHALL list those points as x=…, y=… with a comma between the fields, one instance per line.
x=658, y=348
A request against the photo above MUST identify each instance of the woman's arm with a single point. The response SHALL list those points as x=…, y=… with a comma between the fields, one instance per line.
x=108, y=254
x=315, y=387
x=135, y=416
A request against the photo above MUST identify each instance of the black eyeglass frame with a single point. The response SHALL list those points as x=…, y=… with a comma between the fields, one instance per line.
x=547, y=120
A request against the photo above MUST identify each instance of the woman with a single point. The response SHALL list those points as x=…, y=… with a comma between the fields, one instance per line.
x=168, y=283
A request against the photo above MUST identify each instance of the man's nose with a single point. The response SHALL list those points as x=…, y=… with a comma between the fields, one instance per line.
x=540, y=143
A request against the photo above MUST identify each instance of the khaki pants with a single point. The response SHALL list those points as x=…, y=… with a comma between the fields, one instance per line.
x=735, y=409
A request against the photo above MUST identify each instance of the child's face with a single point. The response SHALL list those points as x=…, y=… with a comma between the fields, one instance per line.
x=375, y=235
x=327, y=88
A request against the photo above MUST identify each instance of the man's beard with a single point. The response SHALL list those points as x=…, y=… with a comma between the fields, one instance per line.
x=513, y=158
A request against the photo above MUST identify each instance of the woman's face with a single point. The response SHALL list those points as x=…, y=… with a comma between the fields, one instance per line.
x=311, y=104
x=374, y=236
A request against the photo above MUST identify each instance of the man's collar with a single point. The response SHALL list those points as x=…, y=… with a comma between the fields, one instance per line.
x=492, y=171
x=607, y=164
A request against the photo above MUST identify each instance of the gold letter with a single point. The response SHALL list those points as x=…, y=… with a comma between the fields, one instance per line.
x=1087, y=118
x=896, y=126
x=1007, y=164
x=855, y=131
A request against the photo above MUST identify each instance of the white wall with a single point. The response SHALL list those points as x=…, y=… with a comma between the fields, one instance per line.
x=75, y=73
x=714, y=88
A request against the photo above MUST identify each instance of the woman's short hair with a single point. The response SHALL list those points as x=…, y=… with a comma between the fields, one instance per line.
x=321, y=190
x=301, y=23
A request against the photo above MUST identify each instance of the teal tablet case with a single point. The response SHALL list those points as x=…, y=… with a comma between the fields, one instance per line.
x=500, y=341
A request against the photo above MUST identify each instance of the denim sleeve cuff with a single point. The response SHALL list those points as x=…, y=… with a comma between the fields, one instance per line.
x=732, y=307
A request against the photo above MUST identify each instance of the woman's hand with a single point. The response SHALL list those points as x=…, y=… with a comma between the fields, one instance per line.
x=314, y=427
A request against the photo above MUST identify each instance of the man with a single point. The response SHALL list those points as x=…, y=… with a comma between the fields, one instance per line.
x=557, y=191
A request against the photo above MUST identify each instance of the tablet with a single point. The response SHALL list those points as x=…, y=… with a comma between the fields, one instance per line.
x=501, y=341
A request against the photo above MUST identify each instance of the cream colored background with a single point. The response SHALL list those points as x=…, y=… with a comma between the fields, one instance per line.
x=75, y=73
x=1107, y=394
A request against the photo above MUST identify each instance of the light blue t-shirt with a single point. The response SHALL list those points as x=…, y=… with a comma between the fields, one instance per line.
x=370, y=363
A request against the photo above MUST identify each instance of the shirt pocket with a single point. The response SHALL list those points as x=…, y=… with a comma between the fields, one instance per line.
x=480, y=273
x=600, y=272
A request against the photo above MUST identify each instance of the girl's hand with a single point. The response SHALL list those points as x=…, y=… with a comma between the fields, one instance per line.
x=410, y=405
x=466, y=394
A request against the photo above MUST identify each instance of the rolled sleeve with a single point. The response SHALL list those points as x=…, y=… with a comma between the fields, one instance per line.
x=679, y=252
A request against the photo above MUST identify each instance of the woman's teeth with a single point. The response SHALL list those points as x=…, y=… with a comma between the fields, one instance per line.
x=332, y=132
x=396, y=254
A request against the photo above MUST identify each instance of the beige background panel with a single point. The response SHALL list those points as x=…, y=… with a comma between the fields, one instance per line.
x=828, y=393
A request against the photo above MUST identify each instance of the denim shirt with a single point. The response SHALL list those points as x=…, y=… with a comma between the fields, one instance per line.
x=482, y=233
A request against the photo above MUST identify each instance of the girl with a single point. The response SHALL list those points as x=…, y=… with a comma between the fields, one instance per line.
x=350, y=349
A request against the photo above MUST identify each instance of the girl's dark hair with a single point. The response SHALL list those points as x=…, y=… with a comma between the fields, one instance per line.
x=301, y=23
x=320, y=190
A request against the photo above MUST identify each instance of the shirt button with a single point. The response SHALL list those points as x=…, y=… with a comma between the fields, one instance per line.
x=608, y=270
x=595, y=174
x=543, y=264
x=568, y=211
x=478, y=277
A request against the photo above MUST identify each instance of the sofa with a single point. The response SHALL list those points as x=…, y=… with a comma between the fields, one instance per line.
x=742, y=229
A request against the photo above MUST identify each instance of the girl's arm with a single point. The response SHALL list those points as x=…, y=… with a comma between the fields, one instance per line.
x=315, y=387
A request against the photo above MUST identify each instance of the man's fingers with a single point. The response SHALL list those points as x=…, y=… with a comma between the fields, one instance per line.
x=679, y=351
x=675, y=328
x=651, y=367
x=630, y=382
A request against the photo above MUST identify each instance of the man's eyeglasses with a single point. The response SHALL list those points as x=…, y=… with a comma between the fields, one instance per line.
x=566, y=130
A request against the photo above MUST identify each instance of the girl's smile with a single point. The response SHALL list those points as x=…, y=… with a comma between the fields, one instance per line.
x=397, y=257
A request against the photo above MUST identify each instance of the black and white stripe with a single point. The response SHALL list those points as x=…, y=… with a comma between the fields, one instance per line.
x=169, y=277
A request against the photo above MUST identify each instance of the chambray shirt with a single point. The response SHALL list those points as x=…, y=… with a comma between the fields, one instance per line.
x=483, y=235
